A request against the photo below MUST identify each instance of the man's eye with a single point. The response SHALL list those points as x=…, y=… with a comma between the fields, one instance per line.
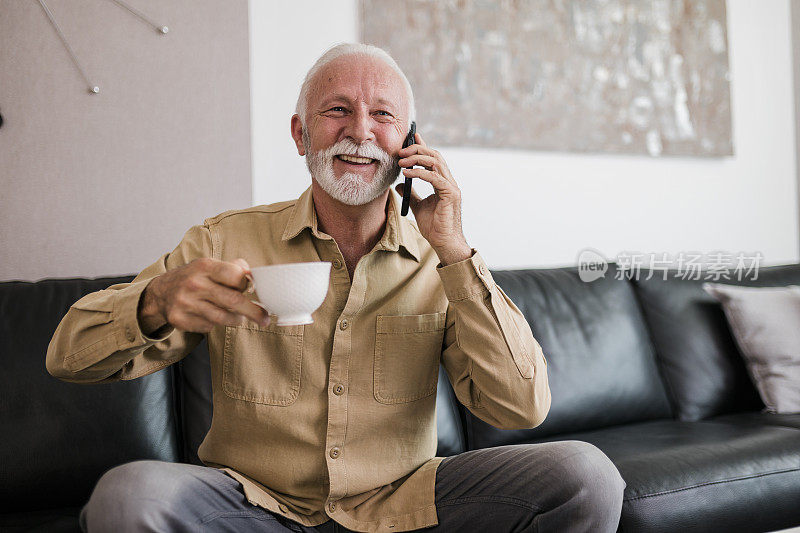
x=337, y=108
x=386, y=113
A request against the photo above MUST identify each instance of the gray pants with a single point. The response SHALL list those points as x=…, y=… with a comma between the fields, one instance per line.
x=555, y=486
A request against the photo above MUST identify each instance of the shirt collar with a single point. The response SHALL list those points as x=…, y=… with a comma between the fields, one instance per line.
x=398, y=232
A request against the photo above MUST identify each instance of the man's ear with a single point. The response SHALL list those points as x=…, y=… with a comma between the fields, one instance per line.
x=297, y=134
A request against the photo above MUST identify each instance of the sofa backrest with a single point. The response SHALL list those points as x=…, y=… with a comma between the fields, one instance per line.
x=58, y=437
x=601, y=364
x=702, y=367
x=607, y=343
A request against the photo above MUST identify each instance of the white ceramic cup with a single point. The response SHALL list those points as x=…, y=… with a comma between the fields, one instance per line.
x=292, y=291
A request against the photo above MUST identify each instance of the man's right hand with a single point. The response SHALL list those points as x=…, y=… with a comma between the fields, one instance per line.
x=198, y=296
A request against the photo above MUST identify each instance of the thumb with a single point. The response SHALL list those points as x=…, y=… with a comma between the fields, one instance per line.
x=414, y=198
x=242, y=263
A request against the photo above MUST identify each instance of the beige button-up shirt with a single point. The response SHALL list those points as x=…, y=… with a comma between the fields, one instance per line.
x=334, y=419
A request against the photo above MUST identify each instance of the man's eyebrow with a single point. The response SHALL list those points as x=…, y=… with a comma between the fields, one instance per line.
x=343, y=98
x=386, y=103
x=335, y=98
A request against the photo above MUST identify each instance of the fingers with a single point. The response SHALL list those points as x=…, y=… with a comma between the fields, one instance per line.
x=217, y=315
x=231, y=279
x=231, y=274
x=434, y=178
x=222, y=287
x=254, y=312
x=418, y=147
x=415, y=149
x=421, y=155
x=422, y=160
x=208, y=292
x=227, y=298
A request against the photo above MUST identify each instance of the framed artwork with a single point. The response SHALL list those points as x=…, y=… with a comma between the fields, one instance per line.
x=631, y=77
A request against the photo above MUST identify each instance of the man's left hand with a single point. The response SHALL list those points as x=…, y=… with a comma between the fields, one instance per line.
x=439, y=215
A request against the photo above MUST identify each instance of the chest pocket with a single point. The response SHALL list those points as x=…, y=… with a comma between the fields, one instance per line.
x=407, y=352
x=262, y=364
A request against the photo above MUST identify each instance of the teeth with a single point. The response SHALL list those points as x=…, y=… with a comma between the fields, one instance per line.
x=354, y=159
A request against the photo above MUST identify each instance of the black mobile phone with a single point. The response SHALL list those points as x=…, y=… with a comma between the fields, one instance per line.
x=407, y=186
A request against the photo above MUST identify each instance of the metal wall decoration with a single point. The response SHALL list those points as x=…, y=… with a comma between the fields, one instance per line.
x=619, y=76
x=94, y=89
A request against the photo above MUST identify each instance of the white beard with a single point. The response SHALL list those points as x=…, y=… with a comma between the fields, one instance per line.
x=351, y=188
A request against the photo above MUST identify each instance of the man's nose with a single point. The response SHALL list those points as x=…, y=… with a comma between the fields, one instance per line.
x=359, y=127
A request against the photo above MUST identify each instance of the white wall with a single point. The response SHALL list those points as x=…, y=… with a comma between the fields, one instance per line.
x=526, y=209
x=795, y=8
x=282, y=50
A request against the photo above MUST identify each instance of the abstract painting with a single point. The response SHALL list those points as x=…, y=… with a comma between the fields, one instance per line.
x=612, y=76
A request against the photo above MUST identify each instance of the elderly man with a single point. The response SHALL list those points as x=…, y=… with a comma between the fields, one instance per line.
x=331, y=426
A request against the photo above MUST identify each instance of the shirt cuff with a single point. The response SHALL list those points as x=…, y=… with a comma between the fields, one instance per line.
x=126, y=305
x=468, y=277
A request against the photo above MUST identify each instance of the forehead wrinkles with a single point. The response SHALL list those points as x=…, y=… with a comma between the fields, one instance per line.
x=359, y=81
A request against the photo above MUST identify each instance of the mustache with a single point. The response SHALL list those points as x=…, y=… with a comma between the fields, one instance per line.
x=370, y=150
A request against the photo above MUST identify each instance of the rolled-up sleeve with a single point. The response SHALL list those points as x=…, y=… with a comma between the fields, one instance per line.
x=100, y=339
x=496, y=366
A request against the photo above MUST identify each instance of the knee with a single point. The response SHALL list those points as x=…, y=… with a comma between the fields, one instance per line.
x=127, y=496
x=590, y=476
x=137, y=479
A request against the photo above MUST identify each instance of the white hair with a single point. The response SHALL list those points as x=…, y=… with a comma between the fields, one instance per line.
x=345, y=49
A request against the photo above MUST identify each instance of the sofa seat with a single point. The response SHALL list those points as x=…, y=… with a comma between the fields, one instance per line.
x=759, y=418
x=721, y=474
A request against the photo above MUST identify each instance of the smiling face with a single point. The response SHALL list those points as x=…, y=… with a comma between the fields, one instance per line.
x=356, y=121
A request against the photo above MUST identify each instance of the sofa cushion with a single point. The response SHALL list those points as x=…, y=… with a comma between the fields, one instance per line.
x=703, y=476
x=701, y=364
x=601, y=365
x=764, y=321
x=59, y=437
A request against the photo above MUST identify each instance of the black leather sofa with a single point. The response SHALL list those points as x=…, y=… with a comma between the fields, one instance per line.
x=645, y=370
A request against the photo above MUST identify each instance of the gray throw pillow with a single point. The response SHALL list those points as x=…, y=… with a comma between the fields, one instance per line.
x=766, y=325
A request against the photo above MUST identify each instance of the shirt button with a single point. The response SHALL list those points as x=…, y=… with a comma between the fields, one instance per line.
x=482, y=270
x=283, y=508
x=334, y=452
x=332, y=506
x=337, y=263
x=130, y=336
x=343, y=324
x=338, y=389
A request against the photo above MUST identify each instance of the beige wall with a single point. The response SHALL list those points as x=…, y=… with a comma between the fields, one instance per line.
x=104, y=184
